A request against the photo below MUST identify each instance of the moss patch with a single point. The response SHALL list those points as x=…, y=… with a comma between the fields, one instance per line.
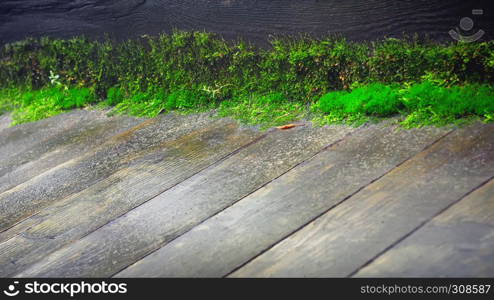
x=328, y=79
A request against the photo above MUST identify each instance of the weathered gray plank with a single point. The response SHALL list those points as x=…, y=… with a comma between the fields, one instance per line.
x=351, y=234
x=63, y=146
x=19, y=138
x=146, y=177
x=457, y=243
x=222, y=243
x=77, y=174
x=127, y=239
x=5, y=121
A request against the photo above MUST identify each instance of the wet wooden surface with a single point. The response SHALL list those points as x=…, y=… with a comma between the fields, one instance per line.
x=15, y=140
x=254, y=20
x=280, y=208
x=65, y=145
x=5, y=121
x=146, y=177
x=79, y=173
x=459, y=241
x=162, y=219
x=350, y=235
x=198, y=196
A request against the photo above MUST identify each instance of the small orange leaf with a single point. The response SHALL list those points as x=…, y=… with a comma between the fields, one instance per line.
x=288, y=126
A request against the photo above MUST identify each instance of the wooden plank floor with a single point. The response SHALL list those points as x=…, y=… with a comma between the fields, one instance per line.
x=193, y=196
x=463, y=234
x=77, y=174
x=5, y=121
x=65, y=145
x=351, y=234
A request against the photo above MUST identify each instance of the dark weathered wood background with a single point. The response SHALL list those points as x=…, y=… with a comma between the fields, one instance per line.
x=252, y=19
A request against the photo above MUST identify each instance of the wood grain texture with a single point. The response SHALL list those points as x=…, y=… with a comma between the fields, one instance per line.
x=351, y=234
x=457, y=243
x=5, y=121
x=229, y=239
x=17, y=139
x=254, y=20
x=142, y=230
x=68, y=144
x=79, y=173
x=146, y=177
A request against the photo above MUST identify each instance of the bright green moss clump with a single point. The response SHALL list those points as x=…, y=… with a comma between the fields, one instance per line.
x=423, y=103
x=375, y=99
x=33, y=105
x=427, y=103
x=303, y=77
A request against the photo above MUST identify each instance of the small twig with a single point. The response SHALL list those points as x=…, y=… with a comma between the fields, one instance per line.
x=289, y=126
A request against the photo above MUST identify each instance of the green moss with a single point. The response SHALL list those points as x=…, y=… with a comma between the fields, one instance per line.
x=427, y=103
x=114, y=96
x=375, y=99
x=267, y=110
x=328, y=78
x=9, y=98
x=33, y=105
x=424, y=103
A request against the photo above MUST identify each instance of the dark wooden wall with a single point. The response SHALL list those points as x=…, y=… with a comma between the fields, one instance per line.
x=252, y=19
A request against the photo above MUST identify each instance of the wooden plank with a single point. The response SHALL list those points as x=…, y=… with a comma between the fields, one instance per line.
x=77, y=174
x=5, y=122
x=19, y=138
x=457, y=243
x=221, y=243
x=351, y=234
x=146, y=177
x=63, y=146
x=253, y=20
x=122, y=242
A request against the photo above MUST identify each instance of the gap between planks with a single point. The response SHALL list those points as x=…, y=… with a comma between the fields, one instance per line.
x=389, y=136
x=252, y=192
x=334, y=206
x=398, y=241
